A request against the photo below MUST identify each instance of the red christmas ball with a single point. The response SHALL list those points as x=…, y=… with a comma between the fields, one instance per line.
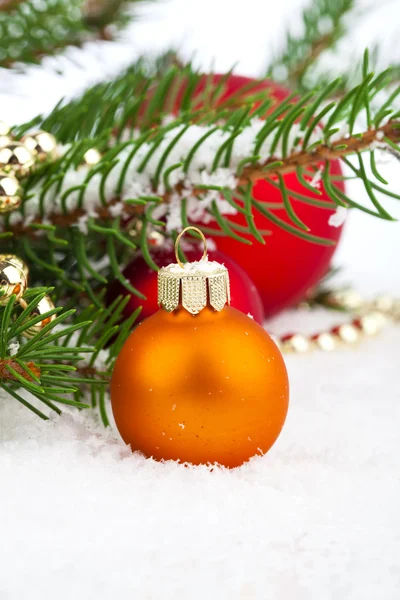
x=244, y=294
x=286, y=267
x=233, y=84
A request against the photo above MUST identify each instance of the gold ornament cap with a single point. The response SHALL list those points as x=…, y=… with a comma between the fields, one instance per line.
x=193, y=285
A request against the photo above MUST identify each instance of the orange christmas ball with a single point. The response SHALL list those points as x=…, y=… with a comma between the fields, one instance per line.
x=202, y=389
x=202, y=383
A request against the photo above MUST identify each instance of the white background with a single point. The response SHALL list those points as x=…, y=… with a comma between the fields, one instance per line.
x=317, y=518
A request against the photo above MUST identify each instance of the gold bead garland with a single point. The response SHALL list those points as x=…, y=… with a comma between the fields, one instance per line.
x=370, y=320
x=15, y=158
x=18, y=158
x=41, y=144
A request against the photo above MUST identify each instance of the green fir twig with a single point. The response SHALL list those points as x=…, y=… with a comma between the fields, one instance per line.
x=323, y=24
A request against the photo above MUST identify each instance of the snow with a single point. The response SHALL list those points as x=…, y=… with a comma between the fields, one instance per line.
x=338, y=217
x=13, y=348
x=315, y=519
x=197, y=267
x=138, y=183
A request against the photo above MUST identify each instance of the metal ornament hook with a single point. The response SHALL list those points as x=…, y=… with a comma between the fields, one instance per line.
x=178, y=239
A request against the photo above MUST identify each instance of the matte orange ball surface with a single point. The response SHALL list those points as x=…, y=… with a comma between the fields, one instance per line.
x=202, y=389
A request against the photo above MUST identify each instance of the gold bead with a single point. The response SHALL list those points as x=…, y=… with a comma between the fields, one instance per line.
x=41, y=144
x=44, y=306
x=10, y=193
x=325, y=341
x=348, y=333
x=16, y=158
x=4, y=128
x=352, y=300
x=304, y=305
x=348, y=299
x=297, y=343
x=384, y=303
x=5, y=140
x=156, y=239
x=13, y=277
x=372, y=323
x=91, y=157
x=18, y=262
x=395, y=312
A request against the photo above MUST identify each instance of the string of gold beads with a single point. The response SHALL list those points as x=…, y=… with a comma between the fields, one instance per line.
x=19, y=157
x=371, y=318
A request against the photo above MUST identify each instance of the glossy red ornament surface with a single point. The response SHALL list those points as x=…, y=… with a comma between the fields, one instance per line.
x=244, y=294
x=286, y=267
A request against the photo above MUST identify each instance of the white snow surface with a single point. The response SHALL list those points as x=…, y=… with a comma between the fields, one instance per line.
x=316, y=518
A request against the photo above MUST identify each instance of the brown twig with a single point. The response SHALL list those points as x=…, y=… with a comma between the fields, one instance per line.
x=9, y=4
x=304, y=158
x=323, y=152
x=316, y=49
x=6, y=374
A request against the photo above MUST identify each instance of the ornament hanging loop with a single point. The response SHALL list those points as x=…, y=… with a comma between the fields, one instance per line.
x=193, y=285
x=178, y=240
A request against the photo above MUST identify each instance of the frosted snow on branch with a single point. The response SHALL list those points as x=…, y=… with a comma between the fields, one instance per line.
x=139, y=183
x=212, y=157
x=338, y=217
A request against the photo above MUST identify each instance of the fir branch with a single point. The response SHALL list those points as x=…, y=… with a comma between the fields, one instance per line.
x=199, y=166
x=51, y=365
x=21, y=370
x=137, y=101
x=29, y=30
x=302, y=160
x=106, y=331
x=29, y=371
x=326, y=152
x=98, y=15
x=323, y=25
